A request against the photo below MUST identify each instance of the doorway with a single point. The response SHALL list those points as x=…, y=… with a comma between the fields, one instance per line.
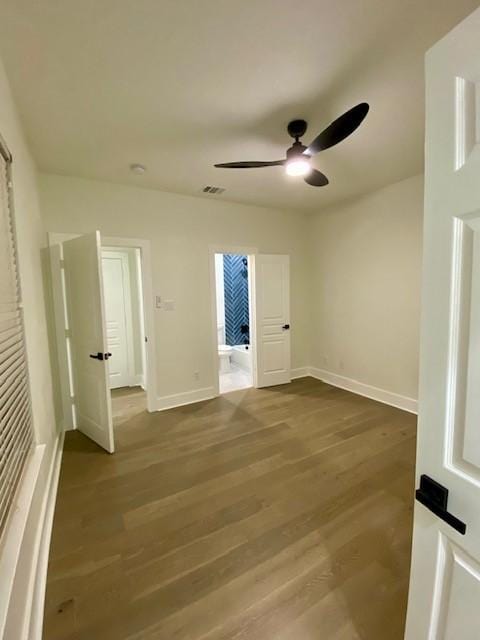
x=262, y=357
x=125, y=328
x=84, y=346
x=233, y=326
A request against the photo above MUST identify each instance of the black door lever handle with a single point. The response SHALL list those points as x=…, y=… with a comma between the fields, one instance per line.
x=435, y=497
x=100, y=356
x=286, y=327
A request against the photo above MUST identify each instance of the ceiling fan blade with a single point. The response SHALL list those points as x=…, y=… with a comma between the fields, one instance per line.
x=316, y=179
x=254, y=164
x=339, y=129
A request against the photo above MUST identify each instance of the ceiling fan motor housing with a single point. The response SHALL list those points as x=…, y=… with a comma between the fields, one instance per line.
x=295, y=150
x=297, y=128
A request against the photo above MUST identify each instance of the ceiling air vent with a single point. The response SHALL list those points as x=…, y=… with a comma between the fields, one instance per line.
x=213, y=190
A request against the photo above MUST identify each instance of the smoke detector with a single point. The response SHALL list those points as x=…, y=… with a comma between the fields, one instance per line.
x=138, y=169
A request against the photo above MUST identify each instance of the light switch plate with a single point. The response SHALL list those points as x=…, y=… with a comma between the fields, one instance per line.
x=169, y=305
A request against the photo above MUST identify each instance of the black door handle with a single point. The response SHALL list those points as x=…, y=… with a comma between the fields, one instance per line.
x=286, y=327
x=435, y=497
x=100, y=356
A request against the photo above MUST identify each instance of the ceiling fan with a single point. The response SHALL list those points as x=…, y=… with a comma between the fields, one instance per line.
x=297, y=162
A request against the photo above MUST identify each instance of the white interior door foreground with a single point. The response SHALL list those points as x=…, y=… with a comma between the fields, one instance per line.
x=88, y=338
x=116, y=280
x=272, y=301
x=444, y=598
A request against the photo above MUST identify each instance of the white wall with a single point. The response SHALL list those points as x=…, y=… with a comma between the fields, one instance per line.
x=220, y=287
x=181, y=229
x=31, y=238
x=366, y=257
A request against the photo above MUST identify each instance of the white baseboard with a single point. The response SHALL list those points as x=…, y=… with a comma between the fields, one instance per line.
x=300, y=372
x=362, y=389
x=38, y=581
x=26, y=547
x=187, y=397
x=13, y=536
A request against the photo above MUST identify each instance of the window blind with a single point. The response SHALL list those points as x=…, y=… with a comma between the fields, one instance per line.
x=16, y=432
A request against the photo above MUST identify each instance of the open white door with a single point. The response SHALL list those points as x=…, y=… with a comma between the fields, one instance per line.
x=272, y=298
x=88, y=338
x=444, y=598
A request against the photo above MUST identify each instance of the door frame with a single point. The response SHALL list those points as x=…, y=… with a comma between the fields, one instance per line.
x=250, y=252
x=148, y=311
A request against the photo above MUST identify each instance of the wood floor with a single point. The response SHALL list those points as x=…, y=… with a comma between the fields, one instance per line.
x=280, y=513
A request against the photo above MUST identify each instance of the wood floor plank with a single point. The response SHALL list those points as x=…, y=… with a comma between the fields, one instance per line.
x=266, y=514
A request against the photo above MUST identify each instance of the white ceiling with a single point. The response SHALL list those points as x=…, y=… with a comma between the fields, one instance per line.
x=181, y=84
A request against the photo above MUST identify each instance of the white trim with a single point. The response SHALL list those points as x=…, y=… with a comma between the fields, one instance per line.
x=300, y=372
x=38, y=580
x=60, y=320
x=253, y=316
x=354, y=386
x=13, y=536
x=362, y=389
x=138, y=381
x=187, y=397
x=33, y=592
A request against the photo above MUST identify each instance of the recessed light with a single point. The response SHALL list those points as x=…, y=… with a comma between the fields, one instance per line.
x=139, y=169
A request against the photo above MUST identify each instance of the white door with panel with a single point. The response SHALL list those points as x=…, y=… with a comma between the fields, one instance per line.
x=272, y=301
x=444, y=598
x=118, y=313
x=88, y=338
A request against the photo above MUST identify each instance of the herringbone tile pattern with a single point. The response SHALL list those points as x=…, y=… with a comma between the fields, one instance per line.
x=235, y=275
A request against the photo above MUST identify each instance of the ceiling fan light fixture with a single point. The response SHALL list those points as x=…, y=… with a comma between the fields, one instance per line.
x=297, y=162
x=298, y=167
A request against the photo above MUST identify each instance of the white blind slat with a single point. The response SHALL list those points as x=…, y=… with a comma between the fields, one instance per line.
x=16, y=433
x=12, y=354
x=14, y=473
x=8, y=431
x=8, y=466
x=17, y=391
x=15, y=370
x=9, y=331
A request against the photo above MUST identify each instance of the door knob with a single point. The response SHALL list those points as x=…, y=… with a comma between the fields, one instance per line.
x=286, y=327
x=435, y=497
x=100, y=356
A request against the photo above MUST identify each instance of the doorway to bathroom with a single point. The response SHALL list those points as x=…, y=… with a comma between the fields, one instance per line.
x=233, y=320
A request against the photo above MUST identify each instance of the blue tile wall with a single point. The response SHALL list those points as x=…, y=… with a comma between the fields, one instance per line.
x=235, y=275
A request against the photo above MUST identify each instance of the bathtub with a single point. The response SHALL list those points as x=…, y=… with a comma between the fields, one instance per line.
x=242, y=356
